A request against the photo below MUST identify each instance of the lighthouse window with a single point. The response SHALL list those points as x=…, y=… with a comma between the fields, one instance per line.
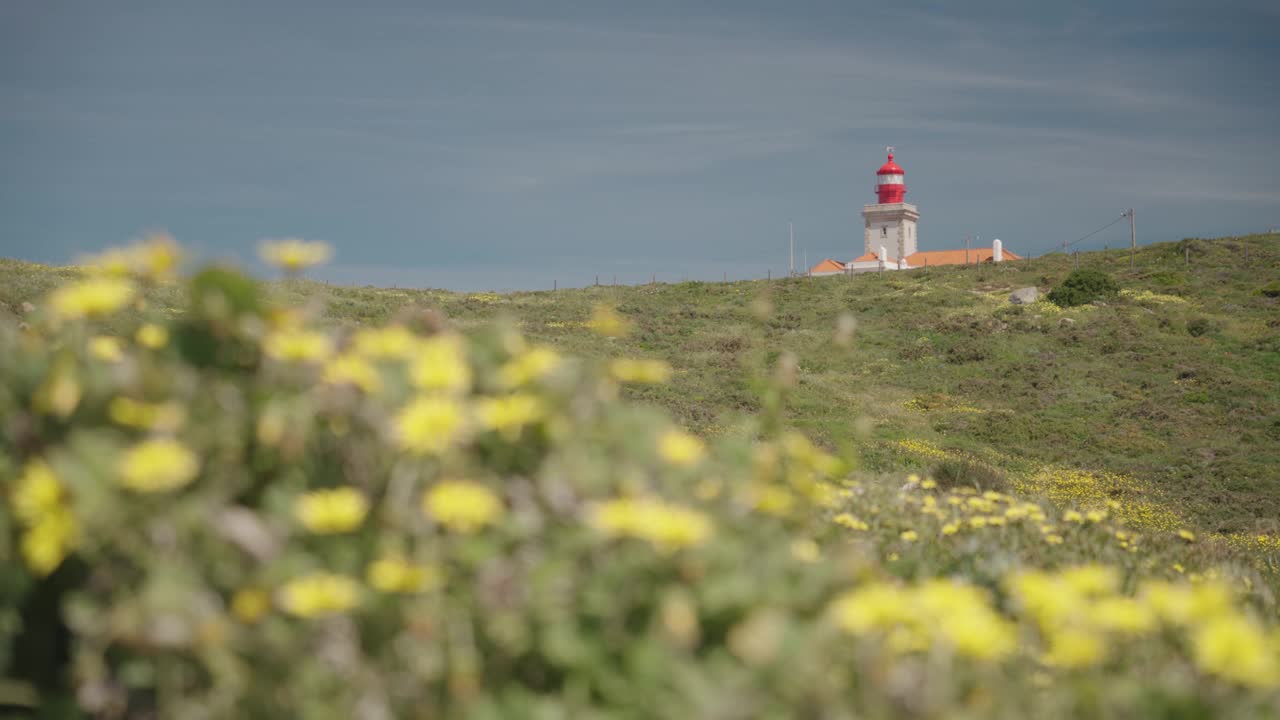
x=884, y=232
x=890, y=179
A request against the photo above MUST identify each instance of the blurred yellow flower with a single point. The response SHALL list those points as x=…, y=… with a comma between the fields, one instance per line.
x=157, y=465
x=167, y=416
x=440, y=363
x=396, y=575
x=667, y=527
x=327, y=512
x=1072, y=516
x=95, y=297
x=430, y=425
x=106, y=348
x=294, y=254
x=1075, y=649
x=680, y=448
x=1122, y=615
x=1187, y=535
x=951, y=528
x=297, y=345
x=385, y=343
x=37, y=492
x=606, y=321
x=351, y=369
x=49, y=540
x=319, y=594
x=249, y=605
x=509, y=414
x=909, y=536
x=152, y=336
x=805, y=550
x=156, y=256
x=462, y=505
x=639, y=371
x=1233, y=647
x=847, y=520
x=59, y=394
x=530, y=365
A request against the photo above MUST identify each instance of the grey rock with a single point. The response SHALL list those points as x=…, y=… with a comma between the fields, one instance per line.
x=1024, y=296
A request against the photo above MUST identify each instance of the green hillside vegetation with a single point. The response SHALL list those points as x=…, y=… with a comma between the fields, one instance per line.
x=294, y=499
x=1166, y=395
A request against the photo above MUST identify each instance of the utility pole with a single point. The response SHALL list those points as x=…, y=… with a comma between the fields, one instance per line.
x=1133, y=239
x=966, y=249
x=806, y=262
x=791, y=230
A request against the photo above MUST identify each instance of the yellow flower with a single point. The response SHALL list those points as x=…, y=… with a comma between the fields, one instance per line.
x=49, y=540
x=951, y=528
x=1122, y=615
x=929, y=484
x=1053, y=539
x=805, y=550
x=1096, y=516
x=680, y=448
x=327, y=512
x=977, y=523
x=847, y=520
x=297, y=345
x=59, y=395
x=168, y=416
x=37, y=493
x=106, y=348
x=666, y=527
x=152, y=336
x=1091, y=579
x=157, y=465
x=1072, y=516
x=294, y=254
x=639, y=371
x=606, y=321
x=156, y=257
x=509, y=414
x=909, y=536
x=92, y=298
x=249, y=605
x=1187, y=535
x=533, y=364
x=1075, y=649
x=353, y=370
x=773, y=499
x=390, y=342
x=319, y=594
x=1235, y=648
x=440, y=363
x=396, y=575
x=430, y=425
x=462, y=505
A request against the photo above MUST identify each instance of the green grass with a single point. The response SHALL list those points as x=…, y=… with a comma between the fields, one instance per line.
x=1173, y=385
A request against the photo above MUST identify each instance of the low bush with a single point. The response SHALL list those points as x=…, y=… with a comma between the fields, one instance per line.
x=1082, y=287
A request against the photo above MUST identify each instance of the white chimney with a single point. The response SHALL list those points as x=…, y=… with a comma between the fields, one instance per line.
x=883, y=256
x=997, y=251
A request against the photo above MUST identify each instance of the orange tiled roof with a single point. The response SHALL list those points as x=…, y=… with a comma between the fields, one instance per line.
x=866, y=258
x=827, y=265
x=954, y=257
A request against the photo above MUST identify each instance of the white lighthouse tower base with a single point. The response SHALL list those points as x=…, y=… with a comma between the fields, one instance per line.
x=892, y=226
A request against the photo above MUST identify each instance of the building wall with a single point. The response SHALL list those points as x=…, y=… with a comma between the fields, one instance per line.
x=892, y=226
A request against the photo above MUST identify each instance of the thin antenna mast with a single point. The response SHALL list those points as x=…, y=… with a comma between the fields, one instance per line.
x=792, y=231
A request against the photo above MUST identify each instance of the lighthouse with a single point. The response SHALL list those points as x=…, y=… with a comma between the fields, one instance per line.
x=891, y=222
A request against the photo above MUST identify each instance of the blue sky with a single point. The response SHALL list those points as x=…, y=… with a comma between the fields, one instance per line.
x=487, y=145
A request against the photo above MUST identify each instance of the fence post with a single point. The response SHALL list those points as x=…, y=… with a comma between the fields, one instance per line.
x=1187, y=251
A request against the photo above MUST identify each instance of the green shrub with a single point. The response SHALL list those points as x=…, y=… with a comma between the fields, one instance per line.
x=1082, y=287
x=1199, y=326
x=1271, y=289
x=966, y=473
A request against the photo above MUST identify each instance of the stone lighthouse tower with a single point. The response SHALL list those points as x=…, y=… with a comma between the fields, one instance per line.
x=891, y=222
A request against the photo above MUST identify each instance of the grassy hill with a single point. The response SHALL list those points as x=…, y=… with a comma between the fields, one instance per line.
x=315, y=504
x=1165, y=398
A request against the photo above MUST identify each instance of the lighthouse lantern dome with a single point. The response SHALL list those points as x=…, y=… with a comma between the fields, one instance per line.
x=890, y=181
